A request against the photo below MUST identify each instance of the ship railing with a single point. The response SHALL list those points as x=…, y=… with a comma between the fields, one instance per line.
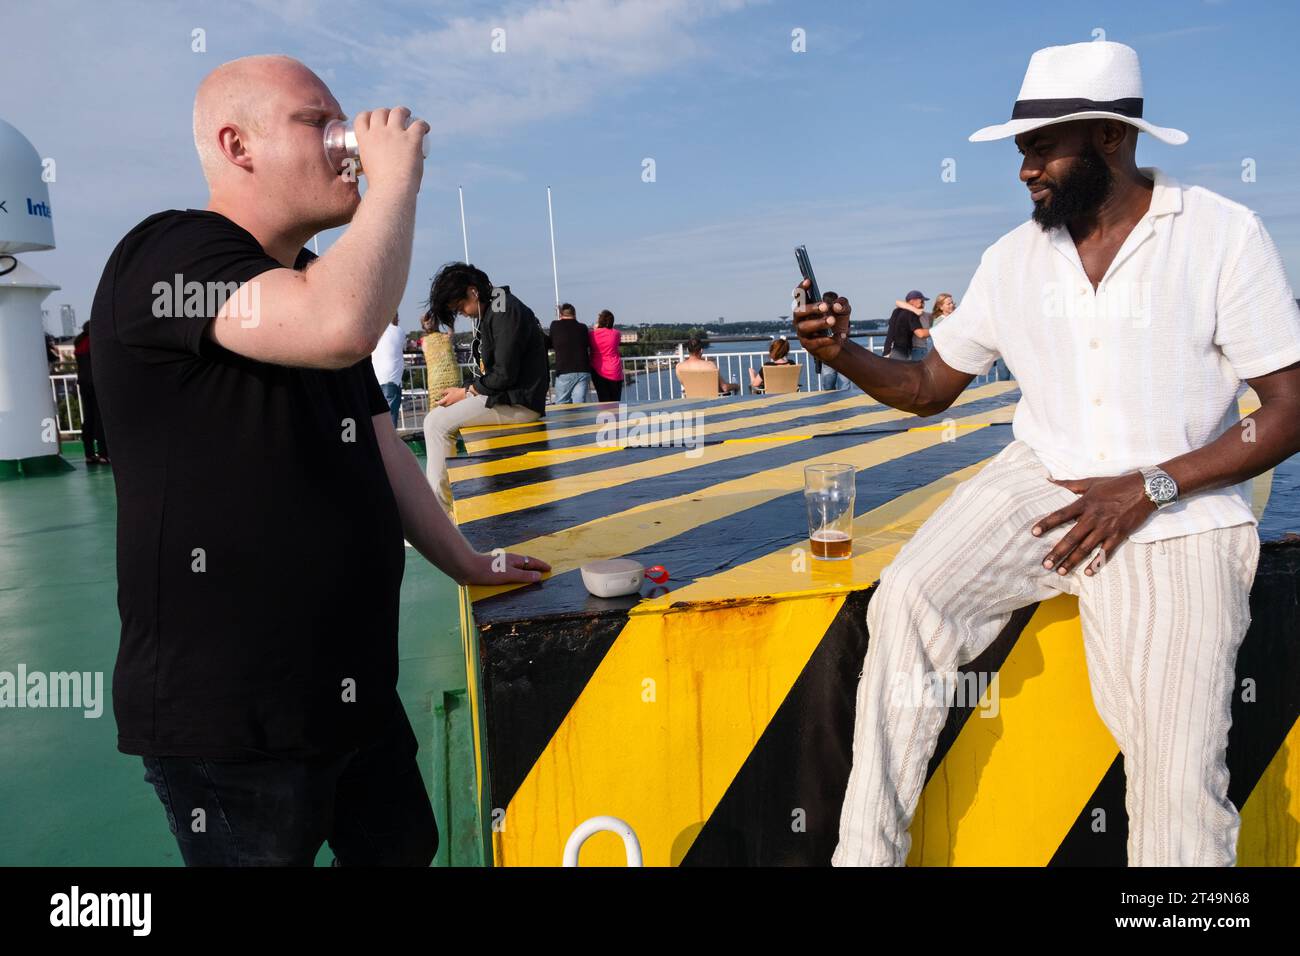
x=67, y=404
x=647, y=378
x=653, y=378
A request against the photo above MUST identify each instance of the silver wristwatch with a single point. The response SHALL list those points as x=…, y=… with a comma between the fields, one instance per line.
x=1160, y=486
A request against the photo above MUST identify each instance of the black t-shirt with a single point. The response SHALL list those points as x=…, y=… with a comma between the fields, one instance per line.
x=259, y=547
x=572, y=343
x=902, y=323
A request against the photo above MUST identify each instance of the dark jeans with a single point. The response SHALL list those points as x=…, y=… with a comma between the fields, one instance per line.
x=393, y=394
x=369, y=804
x=607, y=389
x=92, y=425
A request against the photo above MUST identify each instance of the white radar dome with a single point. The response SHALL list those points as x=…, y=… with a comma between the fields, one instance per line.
x=26, y=220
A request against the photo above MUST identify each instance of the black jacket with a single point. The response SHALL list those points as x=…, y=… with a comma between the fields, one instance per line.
x=511, y=347
x=571, y=340
x=902, y=323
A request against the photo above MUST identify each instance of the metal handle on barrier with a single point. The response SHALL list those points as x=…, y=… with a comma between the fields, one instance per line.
x=596, y=825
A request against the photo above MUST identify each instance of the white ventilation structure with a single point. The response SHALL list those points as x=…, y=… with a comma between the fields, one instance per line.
x=27, y=417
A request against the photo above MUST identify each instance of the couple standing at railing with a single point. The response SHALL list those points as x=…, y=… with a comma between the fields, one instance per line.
x=583, y=355
x=908, y=336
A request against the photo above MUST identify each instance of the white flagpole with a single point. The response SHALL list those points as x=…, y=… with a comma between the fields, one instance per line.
x=554, y=272
x=315, y=247
x=464, y=234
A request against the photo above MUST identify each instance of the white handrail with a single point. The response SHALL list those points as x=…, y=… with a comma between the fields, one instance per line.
x=66, y=392
x=589, y=828
x=653, y=379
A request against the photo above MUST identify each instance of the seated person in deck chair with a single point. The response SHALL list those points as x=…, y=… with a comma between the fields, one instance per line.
x=509, y=349
x=777, y=354
x=696, y=361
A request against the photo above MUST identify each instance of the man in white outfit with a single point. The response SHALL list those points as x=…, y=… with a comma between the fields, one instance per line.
x=389, y=363
x=1130, y=309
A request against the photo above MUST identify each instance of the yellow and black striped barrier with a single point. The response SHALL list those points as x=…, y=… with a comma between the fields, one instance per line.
x=715, y=714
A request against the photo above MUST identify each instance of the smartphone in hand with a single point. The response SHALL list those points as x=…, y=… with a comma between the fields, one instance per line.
x=813, y=292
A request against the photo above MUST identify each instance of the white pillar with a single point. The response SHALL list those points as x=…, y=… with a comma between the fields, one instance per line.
x=28, y=426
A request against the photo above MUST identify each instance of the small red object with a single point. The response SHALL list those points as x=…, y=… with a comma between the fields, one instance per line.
x=657, y=573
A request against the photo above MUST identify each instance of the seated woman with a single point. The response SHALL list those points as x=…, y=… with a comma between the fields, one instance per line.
x=777, y=354
x=509, y=350
x=696, y=361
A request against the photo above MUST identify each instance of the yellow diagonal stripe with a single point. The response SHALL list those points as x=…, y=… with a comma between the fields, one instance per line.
x=569, y=486
x=661, y=730
x=540, y=457
x=1270, y=820
x=878, y=534
x=576, y=411
x=1013, y=782
x=798, y=410
x=639, y=527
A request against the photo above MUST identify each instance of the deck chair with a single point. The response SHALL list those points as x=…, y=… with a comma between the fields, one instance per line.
x=781, y=379
x=700, y=383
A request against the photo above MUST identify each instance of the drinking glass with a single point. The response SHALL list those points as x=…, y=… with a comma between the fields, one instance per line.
x=828, y=491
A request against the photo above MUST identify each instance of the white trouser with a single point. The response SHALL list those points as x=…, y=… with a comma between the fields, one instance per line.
x=443, y=424
x=1161, y=623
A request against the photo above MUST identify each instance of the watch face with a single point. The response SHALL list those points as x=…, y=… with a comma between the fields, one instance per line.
x=1162, y=488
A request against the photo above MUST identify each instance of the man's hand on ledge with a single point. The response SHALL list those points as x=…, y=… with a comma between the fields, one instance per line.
x=1106, y=512
x=503, y=567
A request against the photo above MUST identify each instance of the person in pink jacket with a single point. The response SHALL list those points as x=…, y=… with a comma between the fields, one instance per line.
x=606, y=364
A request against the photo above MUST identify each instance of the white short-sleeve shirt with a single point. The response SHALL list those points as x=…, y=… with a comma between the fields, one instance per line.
x=387, y=357
x=1149, y=365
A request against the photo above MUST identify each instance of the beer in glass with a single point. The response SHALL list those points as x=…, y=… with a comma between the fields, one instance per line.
x=828, y=491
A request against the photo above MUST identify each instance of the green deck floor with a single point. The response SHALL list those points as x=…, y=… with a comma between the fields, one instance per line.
x=67, y=796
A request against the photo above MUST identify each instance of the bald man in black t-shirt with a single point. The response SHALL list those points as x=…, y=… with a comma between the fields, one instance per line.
x=263, y=493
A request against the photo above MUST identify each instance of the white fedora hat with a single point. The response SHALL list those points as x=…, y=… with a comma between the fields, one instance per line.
x=1080, y=81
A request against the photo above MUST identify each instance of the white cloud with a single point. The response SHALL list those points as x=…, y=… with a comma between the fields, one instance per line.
x=107, y=89
x=558, y=58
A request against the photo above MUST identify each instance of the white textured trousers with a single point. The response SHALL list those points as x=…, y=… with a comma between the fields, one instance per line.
x=1162, y=623
x=443, y=424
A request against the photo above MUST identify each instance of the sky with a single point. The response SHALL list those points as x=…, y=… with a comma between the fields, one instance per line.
x=756, y=148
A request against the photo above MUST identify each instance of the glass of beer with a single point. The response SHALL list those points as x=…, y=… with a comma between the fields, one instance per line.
x=828, y=491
